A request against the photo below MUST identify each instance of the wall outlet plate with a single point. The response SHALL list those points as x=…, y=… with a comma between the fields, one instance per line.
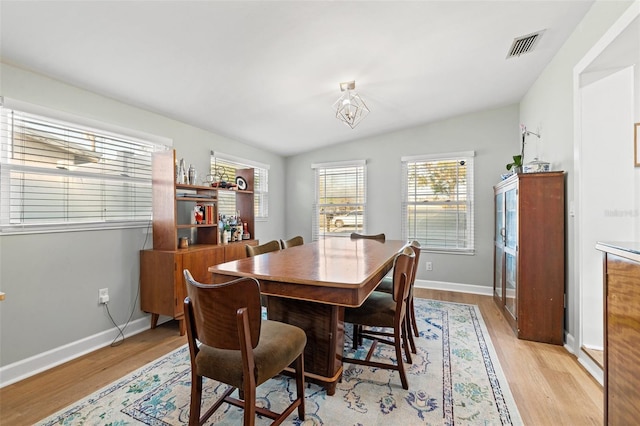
x=103, y=295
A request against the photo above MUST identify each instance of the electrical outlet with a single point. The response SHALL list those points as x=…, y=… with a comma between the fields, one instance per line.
x=103, y=295
x=429, y=266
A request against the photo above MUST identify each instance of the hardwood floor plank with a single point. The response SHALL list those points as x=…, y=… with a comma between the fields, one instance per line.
x=34, y=398
x=548, y=384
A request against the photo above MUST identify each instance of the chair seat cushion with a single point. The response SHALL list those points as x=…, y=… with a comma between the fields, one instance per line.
x=386, y=285
x=377, y=311
x=279, y=345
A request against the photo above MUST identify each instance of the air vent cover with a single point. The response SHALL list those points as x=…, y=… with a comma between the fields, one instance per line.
x=524, y=44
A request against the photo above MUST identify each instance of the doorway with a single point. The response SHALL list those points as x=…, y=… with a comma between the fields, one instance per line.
x=607, y=93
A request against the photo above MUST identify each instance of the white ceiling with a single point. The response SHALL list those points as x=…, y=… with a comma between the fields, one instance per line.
x=267, y=72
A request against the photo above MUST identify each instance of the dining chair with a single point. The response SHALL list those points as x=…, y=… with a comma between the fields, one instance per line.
x=386, y=286
x=380, y=237
x=273, y=245
x=387, y=311
x=357, y=236
x=292, y=242
x=238, y=348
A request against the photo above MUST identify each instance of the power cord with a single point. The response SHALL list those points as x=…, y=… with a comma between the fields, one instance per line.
x=120, y=334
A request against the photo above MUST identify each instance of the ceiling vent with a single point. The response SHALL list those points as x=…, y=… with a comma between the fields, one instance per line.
x=524, y=44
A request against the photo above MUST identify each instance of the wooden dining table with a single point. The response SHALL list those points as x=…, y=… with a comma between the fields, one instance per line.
x=310, y=285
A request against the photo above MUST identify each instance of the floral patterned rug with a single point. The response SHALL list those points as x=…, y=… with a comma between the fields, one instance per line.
x=455, y=379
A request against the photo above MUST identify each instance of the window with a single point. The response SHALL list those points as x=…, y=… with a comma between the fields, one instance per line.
x=437, y=204
x=224, y=166
x=58, y=175
x=340, y=194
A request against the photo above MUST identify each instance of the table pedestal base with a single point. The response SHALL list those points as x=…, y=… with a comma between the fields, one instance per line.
x=324, y=326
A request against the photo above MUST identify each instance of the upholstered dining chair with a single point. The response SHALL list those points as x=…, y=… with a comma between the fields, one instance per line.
x=262, y=248
x=292, y=242
x=386, y=285
x=386, y=311
x=380, y=237
x=358, y=236
x=238, y=348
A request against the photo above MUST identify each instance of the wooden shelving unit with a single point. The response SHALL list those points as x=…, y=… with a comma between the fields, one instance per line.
x=162, y=287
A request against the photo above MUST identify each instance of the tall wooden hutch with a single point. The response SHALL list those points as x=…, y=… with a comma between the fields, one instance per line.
x=162, y=287
x=529, y=254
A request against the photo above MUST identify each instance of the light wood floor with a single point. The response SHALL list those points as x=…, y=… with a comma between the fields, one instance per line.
x=548, y=384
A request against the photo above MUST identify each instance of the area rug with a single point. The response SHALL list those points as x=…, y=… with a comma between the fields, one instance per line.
x=455, y=378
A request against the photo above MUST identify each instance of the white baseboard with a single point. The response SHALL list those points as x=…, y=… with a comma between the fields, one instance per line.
x=461, y=288
x=590, y=365
x=38, y=363
x=570, y=343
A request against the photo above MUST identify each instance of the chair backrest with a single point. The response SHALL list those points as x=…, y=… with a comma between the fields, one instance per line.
x=262, y=248
x=292, y=242
x=380, y=237
x=403, y=266
x=211, y=311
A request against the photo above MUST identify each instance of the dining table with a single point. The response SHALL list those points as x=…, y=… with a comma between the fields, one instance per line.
x=310, y=285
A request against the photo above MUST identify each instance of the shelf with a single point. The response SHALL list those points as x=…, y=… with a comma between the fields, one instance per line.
x=195, y=187
x=239, y=191
x=197, y=225
x=197, y=199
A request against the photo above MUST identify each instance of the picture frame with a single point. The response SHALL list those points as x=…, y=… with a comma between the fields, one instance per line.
x=636, y=144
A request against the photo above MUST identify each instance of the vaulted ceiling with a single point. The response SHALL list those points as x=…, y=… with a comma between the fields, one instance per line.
x=267, y=72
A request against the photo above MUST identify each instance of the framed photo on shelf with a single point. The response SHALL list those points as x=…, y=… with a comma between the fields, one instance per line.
x=636, y=144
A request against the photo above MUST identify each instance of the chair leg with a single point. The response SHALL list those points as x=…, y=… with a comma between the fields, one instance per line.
x=398, y=346
x=196, y=397
x=249, y=406
x=409, y=333
x=300, y=385
x=405, y=341
x=412, y=313
x=356, y=336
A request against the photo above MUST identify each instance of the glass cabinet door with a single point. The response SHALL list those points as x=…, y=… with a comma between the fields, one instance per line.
x=499, y=247
x=511, y=219
x=497, y=279
x=510, y=284
x=499, y=236
x=510, y=260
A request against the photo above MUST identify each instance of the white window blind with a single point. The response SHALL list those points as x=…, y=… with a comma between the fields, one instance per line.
x=437, y=204
x=57, y=175
x=227, y=164
x=340, y=199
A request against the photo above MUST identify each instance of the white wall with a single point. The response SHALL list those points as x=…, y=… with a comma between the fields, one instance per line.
x=607, y=208
x=607, y=186
x=51, y=280
x=549, y=106
x=490, y=133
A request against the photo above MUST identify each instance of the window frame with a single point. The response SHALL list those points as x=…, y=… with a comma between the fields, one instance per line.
x=261, y=176
x=361, y=193
x=469, y=230
x=14, y=203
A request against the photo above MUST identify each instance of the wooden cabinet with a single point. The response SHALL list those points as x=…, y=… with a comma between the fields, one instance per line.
x=621, y=332
x=162, y=287
x=529, y=254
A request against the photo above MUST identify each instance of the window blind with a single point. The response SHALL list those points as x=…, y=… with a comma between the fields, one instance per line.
x=57, y=175
x=437, y=206
x=340, y=199
x=224, y=164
